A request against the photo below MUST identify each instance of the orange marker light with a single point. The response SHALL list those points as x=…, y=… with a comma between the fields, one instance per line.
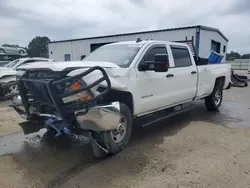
x=75, y=86
x=81, y=95
x=87, y=97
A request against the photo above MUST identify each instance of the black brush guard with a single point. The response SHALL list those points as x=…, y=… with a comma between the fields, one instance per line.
x=64, y=110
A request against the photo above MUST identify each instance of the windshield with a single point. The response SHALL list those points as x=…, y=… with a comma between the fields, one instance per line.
x=120, y=54
x=12, y=63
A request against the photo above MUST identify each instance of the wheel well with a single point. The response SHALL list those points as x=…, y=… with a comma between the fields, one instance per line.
x=121, y=96
x=220, y=81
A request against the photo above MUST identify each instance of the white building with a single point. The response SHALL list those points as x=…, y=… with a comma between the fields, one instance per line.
x=204, y=39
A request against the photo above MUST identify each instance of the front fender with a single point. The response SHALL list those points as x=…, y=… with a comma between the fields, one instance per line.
x=114, y=77
x=7, y=79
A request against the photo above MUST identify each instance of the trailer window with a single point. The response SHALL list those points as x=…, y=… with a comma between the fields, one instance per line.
x=215, y=46
x=181, y=56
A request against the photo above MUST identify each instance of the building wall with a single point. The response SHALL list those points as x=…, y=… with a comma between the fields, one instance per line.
x=82, y=47
x=206, y=38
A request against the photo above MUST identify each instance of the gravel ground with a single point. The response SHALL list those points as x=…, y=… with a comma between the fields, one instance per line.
x=8, y=120
x=194, y=149
x=189, y=158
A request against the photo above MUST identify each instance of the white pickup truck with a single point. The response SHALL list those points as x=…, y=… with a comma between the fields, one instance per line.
x=101, y=96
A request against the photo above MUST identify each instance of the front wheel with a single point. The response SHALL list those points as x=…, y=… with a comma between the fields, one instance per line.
x=21, y=52
x=9, y=92
x=213, y=101
x=114, y=141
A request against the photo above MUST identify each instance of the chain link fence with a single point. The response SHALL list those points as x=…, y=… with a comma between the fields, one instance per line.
x=240, y=64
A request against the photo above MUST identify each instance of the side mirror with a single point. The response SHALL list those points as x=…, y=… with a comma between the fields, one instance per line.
x=161, y=63
x=143, y=66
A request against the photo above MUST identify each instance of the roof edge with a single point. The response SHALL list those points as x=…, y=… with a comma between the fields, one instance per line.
x=215, y=30
x=142, y=32
x=122, y=34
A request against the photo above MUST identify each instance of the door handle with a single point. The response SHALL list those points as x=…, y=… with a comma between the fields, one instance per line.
x=193, y=72
x=170, y=75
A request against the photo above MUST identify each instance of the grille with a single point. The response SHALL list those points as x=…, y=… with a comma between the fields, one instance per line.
x=39, y=92
x=46, y=75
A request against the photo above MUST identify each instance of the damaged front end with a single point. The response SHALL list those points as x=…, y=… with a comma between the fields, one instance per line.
x=66, y=105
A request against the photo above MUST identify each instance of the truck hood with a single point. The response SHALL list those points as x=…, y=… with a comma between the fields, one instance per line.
x=5, y=71
x=60, y=66
x=117, y=77
x=114, y=71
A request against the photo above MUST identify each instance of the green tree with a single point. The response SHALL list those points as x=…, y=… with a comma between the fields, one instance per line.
x=246, y=56
x=233, y=55
x=38, y=47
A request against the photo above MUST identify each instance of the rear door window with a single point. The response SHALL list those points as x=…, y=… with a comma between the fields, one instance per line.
x=181, y=56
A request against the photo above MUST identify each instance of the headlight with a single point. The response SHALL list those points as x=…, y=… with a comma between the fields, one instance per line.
x=19, y=74
x=82, y=96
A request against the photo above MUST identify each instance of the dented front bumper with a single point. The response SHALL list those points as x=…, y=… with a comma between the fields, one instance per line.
x=83, y=115
x=98, y=118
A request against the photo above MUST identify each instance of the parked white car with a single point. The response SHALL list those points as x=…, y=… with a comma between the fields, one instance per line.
x=6, y=58
x=101, y=96
x=8, y=73
x=7, y=48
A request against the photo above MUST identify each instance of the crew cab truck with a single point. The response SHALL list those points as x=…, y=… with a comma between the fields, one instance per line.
x=101, y=96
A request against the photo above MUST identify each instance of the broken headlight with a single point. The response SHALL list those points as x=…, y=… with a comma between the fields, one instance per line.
x=81, y=96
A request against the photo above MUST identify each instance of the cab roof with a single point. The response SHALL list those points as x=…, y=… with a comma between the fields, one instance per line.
x=143, y=42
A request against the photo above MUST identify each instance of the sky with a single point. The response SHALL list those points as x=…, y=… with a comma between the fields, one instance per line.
x=22, y=20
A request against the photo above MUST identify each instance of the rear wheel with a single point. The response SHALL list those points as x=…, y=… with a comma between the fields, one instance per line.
x=21, y=52
x=213, y=101
x=114, y=141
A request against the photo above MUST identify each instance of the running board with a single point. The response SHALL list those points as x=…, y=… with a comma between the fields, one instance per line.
x=169, y=113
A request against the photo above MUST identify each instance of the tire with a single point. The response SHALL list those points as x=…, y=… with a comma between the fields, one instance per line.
x=22, y=52
x=107, y=139
x=10, y=90
x=213, y=101
x=2, y=93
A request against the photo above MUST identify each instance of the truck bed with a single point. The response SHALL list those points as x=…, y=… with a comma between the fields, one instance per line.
x=209, y=72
